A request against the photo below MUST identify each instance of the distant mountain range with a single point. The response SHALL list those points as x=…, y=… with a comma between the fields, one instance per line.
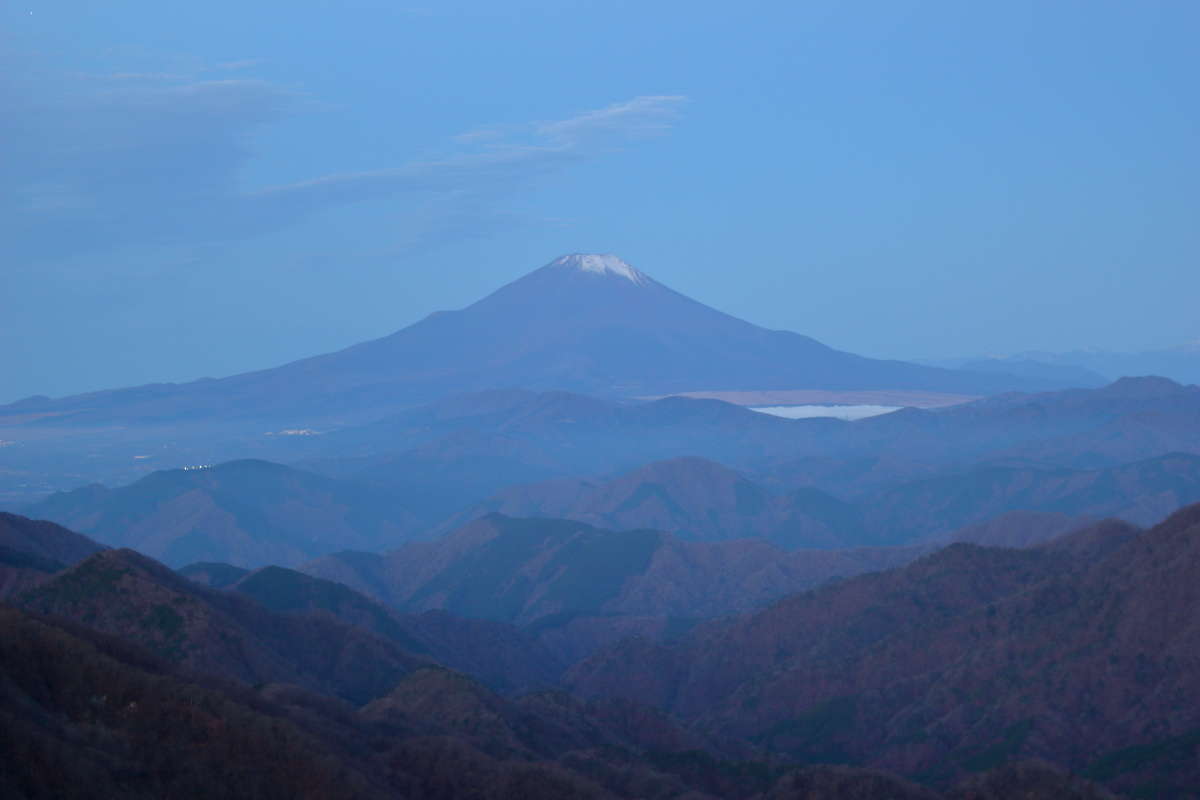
x=538, y=380
x=576, y=587
x=584, y=323
x=548, y=562
x=478, y=444
x=1028, y=366
x=496, y=439
x=699, y=499
x=700, y=469
x=1180, y=363
x=691, y=497
x=250, y=513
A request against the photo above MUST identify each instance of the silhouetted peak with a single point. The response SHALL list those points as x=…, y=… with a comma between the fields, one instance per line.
x=1095, y=541
x=98, y=573
x=33, y=401
x=214, y=574
x=1184, y=519
x=1142, y=387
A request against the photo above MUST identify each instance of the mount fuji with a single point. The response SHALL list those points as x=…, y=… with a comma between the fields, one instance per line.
x=584, y=322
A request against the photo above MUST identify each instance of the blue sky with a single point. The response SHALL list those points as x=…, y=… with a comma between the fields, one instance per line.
x=203, y=189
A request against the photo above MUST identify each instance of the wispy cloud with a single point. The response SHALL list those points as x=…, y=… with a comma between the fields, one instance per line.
x=150, y=159
x=240, y=64
x=637, y=118
x=505, y=158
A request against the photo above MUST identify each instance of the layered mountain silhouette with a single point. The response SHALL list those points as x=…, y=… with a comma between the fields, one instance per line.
x=277, y=625
x=496, y=653
x=588, y=323
x=1079, y=652
x=1180, y=362
x=470, y=446
x=692, y=497
x=219, y=633
x=699, y=499
x=576, y=587
x=526, y=570
x=43, y=540
x=446, y=455
x=846, y=673
x=84, y=715
x=493, y=439
x=1139, y=492
x=526, y=566
x=33, y=550
x=249, y=513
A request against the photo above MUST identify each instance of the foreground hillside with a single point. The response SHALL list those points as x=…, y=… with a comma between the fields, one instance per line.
x=143, y=683
x=1082, y=652
x=33, y=550
x=84, y=715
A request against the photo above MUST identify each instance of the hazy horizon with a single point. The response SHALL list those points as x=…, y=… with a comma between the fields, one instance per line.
x=200, y=192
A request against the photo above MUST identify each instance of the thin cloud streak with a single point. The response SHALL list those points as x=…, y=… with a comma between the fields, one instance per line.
x=505, y=159
x=98, y=167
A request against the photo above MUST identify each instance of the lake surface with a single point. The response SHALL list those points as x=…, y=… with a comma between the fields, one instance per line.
x=838, y=412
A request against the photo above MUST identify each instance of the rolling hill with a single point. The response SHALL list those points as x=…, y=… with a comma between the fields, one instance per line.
x=248, y=513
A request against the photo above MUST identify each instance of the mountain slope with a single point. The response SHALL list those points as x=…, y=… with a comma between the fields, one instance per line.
x=699, y=499
x=497, y=654
x=525, y=570
x=1129, y=420
x=583, y=322
x=33, y=550
x=692, y=497
x=1141, y=492
x=961, y=660
x=85, y=716
x=246, y=513
x=220, y=633
x=575, y=587
x=43, y=539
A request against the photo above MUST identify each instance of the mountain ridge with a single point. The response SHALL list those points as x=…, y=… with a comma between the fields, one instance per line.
x=582, y=328
x=1079, y=652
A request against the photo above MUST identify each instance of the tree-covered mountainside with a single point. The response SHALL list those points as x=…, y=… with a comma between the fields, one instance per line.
x=85, y=715
x=1080, y=652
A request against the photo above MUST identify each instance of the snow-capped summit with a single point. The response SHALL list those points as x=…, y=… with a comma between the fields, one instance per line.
x=601, y=264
